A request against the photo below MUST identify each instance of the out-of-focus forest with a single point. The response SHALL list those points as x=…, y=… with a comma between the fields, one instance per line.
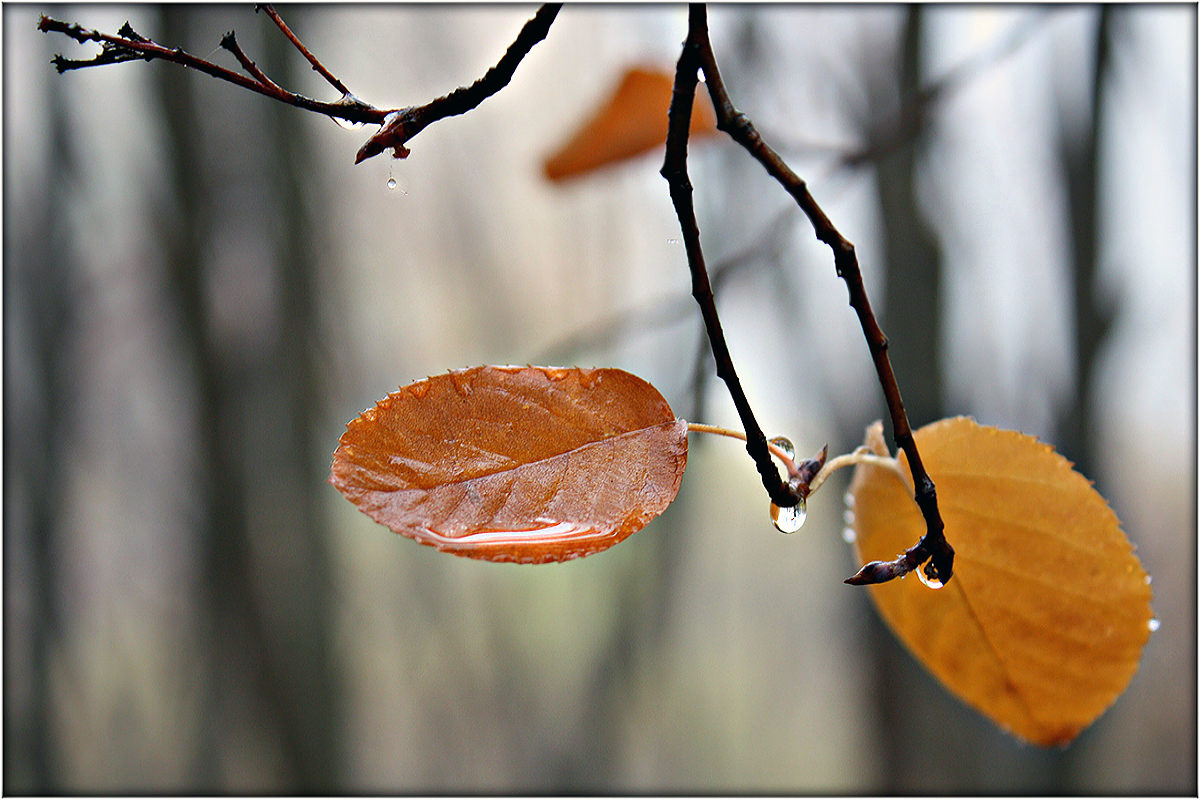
x=200, y=290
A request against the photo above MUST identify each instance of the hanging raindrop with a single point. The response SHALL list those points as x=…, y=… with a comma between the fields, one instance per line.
x=785, y=444
x=1154, y=624
x=932, y=583
x=849, y=535
x=789, y=519
x=392, y=183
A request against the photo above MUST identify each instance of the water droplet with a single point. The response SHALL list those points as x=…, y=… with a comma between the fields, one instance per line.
x=785, y=444
x=345, y=123
x=392, y=183
x=848, y=517
x=789, y=519
x=932, y=583
x=1149, y=579
x=848, y=499
x=1154, y=624
x=849, y=535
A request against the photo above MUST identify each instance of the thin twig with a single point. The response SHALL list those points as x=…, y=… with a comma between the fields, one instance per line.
x=675, y=171
x=398, y=125
x=933, y=545
x=270, y=11
x=131, y=46
x=229, y=42
x=406, y=123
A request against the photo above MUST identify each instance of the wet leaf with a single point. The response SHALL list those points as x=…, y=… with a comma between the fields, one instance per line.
x=524, y=464
x=631, y=122
x=1043, y=624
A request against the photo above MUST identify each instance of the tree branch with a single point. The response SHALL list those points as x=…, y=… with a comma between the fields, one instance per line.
x=674, y=169
x=128, y=45
x=402, y=125
x=933, y=545
x=270, y=11
x=398, y=125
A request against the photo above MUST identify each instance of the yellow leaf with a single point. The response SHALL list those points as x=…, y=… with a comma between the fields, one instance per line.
x=1044, y=621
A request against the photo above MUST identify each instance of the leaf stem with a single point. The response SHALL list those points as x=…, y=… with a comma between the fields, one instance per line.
x=800, y=475
x=700, y=427
x=861, y=455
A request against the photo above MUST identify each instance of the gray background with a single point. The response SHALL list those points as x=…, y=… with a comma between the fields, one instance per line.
x=201, y=289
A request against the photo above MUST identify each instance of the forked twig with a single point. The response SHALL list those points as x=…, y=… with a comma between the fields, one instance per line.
x=399, y=125
x=270, y=11
x=402, y=125
x=698, y=53
x=128, y=45
x=674, y=169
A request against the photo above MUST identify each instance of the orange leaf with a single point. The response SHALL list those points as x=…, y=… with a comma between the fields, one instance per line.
x=1043, y=624
x=524, y=464
x=631, y=122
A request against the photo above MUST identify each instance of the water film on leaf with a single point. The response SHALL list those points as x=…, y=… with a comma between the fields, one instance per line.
x=1044, y=623
x=521, y=464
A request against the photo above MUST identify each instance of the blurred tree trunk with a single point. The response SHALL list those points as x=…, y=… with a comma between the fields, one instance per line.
x=910, y=311
x=37, y=424
x=977, y=755
x=307, y=622
x=269, y=709
x=1079, y=151
x=912, y=703
x=911, y=319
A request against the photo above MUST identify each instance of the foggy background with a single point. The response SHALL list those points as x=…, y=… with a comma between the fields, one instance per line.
x=200, y=290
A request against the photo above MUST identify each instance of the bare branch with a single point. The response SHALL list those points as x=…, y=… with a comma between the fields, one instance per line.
x=291, y=37
x=933, y=545
x=398, y=125
x=229, y=42
x=129, y=46
x=675, y=171
x=406, y=123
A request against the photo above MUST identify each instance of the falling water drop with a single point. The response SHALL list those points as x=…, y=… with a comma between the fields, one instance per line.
x=392, y=183
x=848, y=499
x=1154, y=624
x=932, y=583
x=849, y=535
x=785, y=444
x=789, y=519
